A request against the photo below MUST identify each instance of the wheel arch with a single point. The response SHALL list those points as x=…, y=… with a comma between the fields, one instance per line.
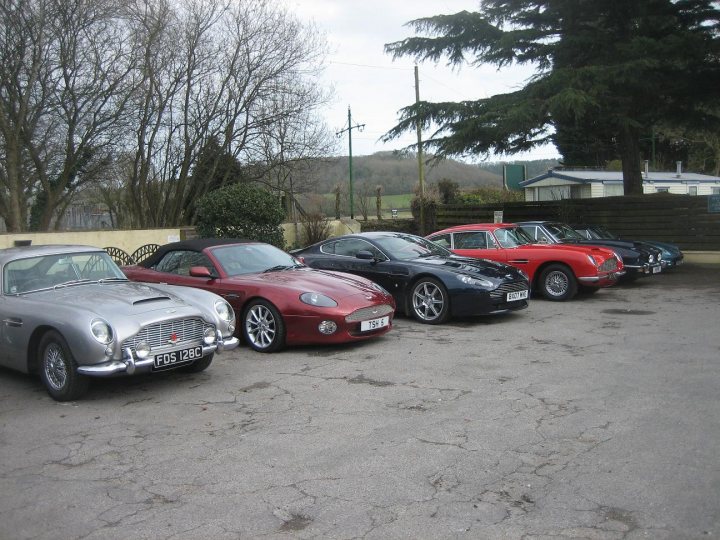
x=34, y=344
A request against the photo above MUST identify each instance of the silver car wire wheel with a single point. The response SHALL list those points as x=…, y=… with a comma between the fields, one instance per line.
x=428, y=301
x=55, y=366
x=557, y=283
x=260, y=326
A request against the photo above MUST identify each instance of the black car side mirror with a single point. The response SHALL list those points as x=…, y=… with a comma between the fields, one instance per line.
x=365, y=255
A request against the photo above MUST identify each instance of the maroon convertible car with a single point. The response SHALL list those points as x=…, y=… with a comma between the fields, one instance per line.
x=278, y=300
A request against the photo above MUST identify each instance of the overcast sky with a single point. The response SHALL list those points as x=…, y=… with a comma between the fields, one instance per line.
x=374, y=86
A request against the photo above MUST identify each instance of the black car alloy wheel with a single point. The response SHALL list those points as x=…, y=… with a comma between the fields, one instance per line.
x=429, y=301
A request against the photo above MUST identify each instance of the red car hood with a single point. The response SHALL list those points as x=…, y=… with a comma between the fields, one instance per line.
x=334, y=284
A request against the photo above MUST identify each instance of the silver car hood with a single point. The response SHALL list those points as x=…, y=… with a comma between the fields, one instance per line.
x=119, y=297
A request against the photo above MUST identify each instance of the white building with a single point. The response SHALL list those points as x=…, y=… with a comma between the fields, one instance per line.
x=559, y=184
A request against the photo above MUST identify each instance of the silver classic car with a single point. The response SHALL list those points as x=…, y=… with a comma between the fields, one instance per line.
x=69, y=313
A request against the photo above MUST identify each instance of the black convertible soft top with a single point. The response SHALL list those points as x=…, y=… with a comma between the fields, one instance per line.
x=195, y=244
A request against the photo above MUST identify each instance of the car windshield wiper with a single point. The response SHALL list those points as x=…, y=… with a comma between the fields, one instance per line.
x=110, y=279
x=71, y=282
x=279, y=267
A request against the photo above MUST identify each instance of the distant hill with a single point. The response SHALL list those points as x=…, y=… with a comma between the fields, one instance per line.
x=398, y=173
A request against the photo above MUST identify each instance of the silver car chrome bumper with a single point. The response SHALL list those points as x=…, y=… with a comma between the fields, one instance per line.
x=593, y=279
x=228, y=344
x=129, y=364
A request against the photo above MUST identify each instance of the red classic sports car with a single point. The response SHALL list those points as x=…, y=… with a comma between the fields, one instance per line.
x=278, y=300
x=558, y=271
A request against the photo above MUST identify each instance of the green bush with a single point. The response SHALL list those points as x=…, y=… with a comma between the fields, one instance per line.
x=241, y=211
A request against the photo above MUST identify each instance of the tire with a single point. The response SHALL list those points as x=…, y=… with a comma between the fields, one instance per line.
x=58, y=369
x=198, y=365
x=263, y=327
x=429, y=301
x=558, y=283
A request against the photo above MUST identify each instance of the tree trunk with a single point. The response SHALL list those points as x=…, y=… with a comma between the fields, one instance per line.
x=631, y=163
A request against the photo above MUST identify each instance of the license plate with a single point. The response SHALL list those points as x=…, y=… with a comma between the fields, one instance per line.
x=374, y=324
x=173, y=359
x=657, y=269
x=517, y=295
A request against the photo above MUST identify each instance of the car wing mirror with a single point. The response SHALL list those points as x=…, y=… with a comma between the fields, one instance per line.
x=201, y=271
x=365, y=255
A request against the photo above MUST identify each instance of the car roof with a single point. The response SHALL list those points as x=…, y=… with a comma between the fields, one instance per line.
x=477, y=227
x=23, y=252
x=194, y=244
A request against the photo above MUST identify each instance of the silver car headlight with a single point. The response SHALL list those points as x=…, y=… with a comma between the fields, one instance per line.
x=470, y=280
x=101, y=331
x=317, y=299
x=224, y=311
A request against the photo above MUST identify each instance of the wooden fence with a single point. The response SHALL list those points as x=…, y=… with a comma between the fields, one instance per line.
x=681, y=219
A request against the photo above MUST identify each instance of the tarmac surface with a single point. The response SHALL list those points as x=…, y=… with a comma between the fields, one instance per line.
x=597, y=418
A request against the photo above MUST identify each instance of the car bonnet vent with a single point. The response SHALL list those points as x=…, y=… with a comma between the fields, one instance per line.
x=149, y=300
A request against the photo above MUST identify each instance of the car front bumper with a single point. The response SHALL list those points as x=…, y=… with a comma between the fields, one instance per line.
x=130, y=364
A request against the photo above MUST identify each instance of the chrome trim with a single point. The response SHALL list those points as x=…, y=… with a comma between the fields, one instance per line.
x=369, y=313
x=129, y=364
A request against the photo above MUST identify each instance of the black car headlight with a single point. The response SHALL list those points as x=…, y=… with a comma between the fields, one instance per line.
x=317, y=299
x=471, y=280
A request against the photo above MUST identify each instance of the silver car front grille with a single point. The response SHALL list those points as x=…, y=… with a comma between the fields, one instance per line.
x=367, y=313
x=609, y=265
x=170, y=334
x=505, y=288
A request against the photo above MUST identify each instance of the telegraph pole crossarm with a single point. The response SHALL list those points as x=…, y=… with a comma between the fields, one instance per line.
x=349, y=129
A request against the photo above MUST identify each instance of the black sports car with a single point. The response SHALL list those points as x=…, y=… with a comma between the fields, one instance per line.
x=427, y=281
x=638, y=260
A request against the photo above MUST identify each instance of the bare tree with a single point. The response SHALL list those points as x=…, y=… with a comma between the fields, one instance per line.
x=92, y=88
x=296, y=140
x=233, y=78
x=62, y=71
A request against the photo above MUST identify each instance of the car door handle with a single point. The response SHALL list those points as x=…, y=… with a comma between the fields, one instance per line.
x=231, y=296
x=13, y=322
x=519, y=261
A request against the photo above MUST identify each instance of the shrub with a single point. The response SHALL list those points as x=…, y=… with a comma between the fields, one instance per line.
x=316, y=228
x=241, y=211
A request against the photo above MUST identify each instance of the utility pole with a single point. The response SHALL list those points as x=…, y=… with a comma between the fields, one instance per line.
x=349, y=129
x=421, y=168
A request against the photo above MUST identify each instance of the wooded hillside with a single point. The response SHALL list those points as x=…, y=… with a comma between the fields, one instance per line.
x=398, y=173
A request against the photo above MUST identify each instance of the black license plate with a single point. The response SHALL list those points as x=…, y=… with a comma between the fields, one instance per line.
x=170, y=360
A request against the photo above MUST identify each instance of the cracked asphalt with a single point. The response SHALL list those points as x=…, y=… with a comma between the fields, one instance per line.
x=598, y=418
